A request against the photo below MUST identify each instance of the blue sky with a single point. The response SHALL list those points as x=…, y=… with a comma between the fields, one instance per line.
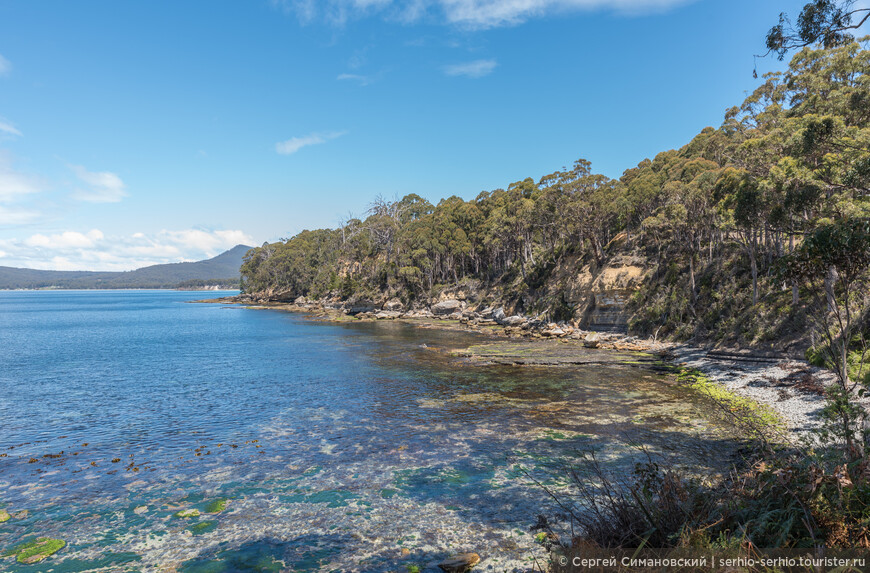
x=133, y=133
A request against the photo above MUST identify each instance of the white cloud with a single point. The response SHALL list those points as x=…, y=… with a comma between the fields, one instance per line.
x=103, y=187
x=8, y=128
x=92, y=250
x=294, y=144
x=5, y=66
x=475, y=69
x=65, y=240
x=475, y=14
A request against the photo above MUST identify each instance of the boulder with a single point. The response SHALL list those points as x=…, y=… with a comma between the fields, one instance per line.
x=300, y=300
x=487, y=312
x=388, y=315
x=592, y=340
x=556, y=331
x=394, y=304
x=498, y=315
x=446, y=307
x=359, y=306
x=459, y=563
x=514, y=320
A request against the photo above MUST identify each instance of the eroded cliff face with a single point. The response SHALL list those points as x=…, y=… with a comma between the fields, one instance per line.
x=598, y=294
x=602, y=294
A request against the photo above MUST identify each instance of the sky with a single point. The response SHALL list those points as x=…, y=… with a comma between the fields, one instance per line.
x=144, y=132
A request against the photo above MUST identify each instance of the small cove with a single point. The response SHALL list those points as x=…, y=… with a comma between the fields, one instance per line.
x=338, y=447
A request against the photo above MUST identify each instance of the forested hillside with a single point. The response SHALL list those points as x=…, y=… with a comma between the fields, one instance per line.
x=717, y=226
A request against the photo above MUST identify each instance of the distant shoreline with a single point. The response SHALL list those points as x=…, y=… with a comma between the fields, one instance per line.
x=119, y=289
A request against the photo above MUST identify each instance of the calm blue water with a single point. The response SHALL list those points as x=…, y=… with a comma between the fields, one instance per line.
x=339, y=447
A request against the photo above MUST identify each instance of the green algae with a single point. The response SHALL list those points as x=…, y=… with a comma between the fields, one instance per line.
x=203, y=527
x=184, y=513
x=388, y=493
x=744, y=411
x=217, y=505
x=4, y=515
x=35, y=550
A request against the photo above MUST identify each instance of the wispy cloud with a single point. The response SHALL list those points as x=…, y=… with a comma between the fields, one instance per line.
x=475, y=69
x=358, y=78
x=14, y=184
x=472, y=14
x=16, y=188
x=8, y=128
x=5, y=66
x=93, y=250
x=102, y=187
x=294, y=144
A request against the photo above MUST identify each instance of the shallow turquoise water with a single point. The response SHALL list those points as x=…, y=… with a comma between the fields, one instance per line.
x=351, y=447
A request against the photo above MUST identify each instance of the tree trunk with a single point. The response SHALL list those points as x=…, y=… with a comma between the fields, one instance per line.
x=754, y=265
x=830, y=279
x=692, y=276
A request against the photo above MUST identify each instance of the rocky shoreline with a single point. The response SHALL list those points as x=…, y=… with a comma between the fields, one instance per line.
x=792, y=388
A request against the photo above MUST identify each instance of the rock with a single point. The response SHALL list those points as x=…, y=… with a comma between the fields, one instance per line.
x=446, y=307
x=394, y=304
x=487, y=312
x=554, y=332
x=514, y=320
x=591, y=340
x=21, y=514
x=498, y=315
x=141, y=509
x=4, y=515
x=300, y=300
x=360, y=306
x=388, y=315
x=459, y=563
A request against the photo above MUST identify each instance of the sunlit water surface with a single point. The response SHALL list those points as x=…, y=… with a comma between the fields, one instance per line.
x=338, y=447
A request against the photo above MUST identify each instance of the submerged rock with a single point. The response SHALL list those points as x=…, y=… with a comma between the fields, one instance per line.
x=459, y=563
x=4, y=515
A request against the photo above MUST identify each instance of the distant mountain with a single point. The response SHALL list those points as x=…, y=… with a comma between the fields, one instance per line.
x=222, y=270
